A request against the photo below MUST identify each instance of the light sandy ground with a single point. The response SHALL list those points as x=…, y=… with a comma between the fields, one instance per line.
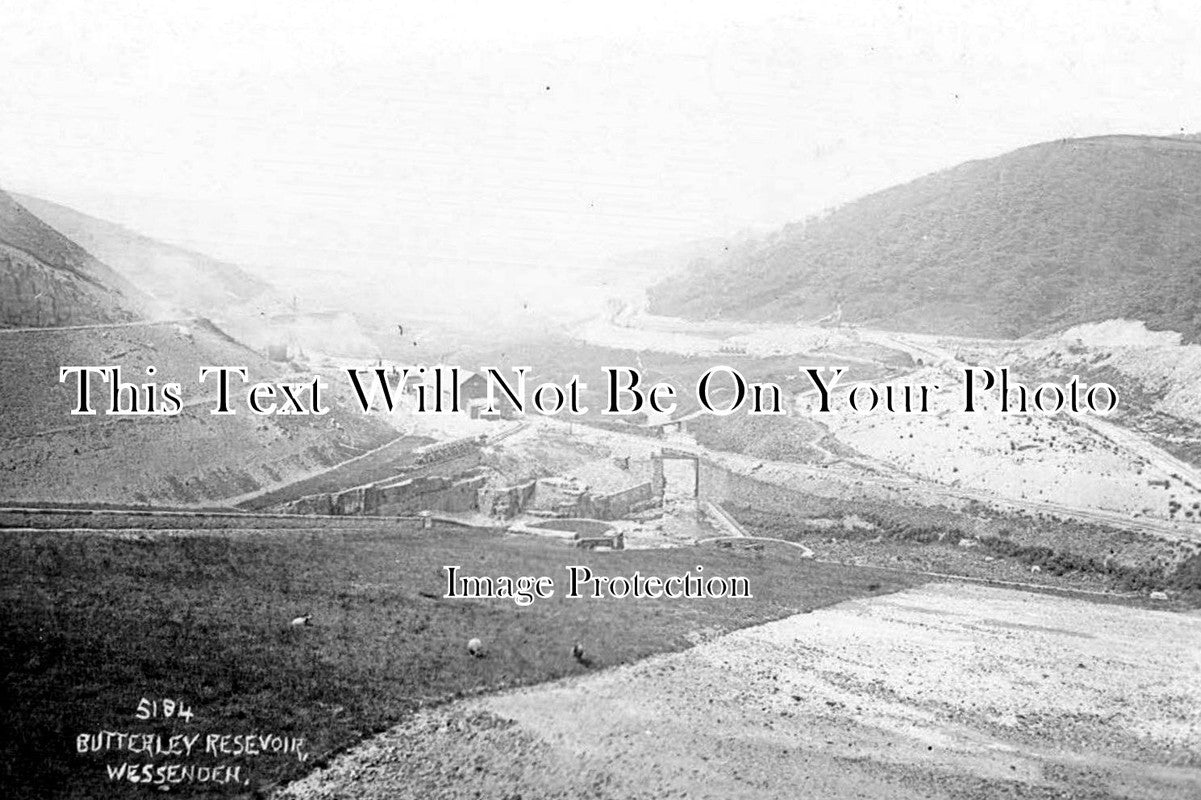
x=1020, y=458
x=649, y=333
x=1157, y=359
x=942, y=691
x=1037, y=457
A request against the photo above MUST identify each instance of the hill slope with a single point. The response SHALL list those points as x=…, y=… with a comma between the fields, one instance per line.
x=46, y=279
x=59, y=305
x=1042, y=238
x=183, y=279
x=49, y=455
x=186, y=283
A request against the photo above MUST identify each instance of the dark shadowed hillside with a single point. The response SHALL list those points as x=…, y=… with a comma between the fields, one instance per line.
x=47, y=280
x=1041, y=238
x=183, y=279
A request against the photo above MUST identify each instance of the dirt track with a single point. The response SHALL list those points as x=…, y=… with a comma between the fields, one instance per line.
x=942, y=691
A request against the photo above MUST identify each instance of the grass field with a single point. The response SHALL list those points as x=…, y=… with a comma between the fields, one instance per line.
x=980, y=542
x=92, y=622
x=775, y=438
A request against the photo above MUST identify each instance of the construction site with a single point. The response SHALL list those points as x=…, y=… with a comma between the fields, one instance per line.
x=600, y=403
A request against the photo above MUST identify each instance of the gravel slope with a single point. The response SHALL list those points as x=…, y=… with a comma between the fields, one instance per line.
x=942, y=691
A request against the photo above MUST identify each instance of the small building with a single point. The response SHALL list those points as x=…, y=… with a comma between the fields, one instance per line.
x=472, y=386
x=435, y=385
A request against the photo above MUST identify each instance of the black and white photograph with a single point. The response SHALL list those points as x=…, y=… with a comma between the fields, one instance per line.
x=610, y=401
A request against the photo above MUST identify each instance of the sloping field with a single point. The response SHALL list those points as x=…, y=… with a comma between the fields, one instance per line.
x=91, y=621
x=945, y=691
x=195, y=457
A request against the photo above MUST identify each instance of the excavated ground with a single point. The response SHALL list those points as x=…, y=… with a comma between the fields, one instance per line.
x=948, y=690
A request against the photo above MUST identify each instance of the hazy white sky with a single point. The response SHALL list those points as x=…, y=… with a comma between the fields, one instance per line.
x=407, y=140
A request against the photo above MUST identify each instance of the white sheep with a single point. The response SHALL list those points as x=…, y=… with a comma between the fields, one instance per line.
x=476, y=648
x=302, y=622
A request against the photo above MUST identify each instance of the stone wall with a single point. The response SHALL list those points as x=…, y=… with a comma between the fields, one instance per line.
x=314, y=504
x=658, y=480
x=422, y=491
x=621, y=503
x=561, y=496
x=354, y=502
x=506, y=501
x=428, y=493
x=400, y=498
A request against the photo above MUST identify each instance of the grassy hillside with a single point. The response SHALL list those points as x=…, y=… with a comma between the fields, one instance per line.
x=47, y=280
x=181, y=278
x=1038, y=239
x=48, y=455
x=91, y=623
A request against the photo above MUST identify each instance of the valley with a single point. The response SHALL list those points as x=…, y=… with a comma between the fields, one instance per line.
x=914, y=586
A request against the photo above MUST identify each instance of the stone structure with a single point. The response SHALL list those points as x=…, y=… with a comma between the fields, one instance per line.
x=397, y=499
x=506, y=502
